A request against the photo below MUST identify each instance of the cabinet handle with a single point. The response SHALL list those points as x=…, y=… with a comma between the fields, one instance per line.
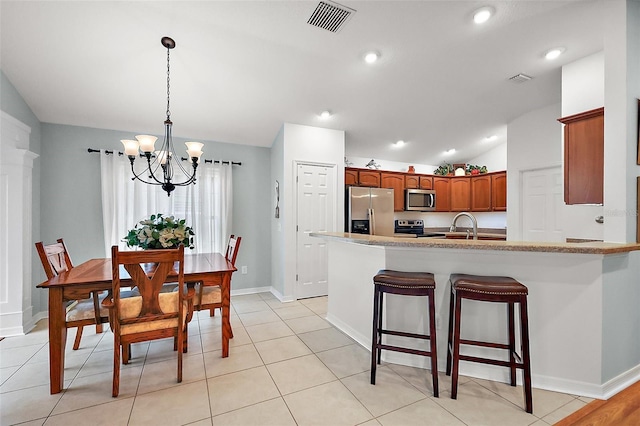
x=599, y=219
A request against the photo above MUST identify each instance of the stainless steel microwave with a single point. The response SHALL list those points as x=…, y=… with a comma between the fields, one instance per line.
x=420, y=200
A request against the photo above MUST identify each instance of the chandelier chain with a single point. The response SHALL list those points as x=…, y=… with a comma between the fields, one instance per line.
x=168, y=74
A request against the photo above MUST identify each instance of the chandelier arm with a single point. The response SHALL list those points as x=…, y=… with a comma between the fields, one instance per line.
x=136, y=176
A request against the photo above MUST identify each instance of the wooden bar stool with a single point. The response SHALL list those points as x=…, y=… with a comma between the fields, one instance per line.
x=489, y=289
x=406, y=284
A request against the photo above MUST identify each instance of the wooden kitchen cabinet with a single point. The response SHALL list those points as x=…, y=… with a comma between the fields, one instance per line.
x=350, y=177
x=584, y=157
x=460, y=194
x=426, y=182
x=499, y=192
x=442, y=186
x=369, y=178
x=412, y=181
x=396, y=182
x=480, y=193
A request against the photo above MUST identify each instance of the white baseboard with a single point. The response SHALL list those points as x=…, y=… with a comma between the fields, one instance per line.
x=251, y=290
x=280, y=297
x=500, y=374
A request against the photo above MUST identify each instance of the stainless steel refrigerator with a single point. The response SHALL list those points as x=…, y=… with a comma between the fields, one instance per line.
x=369, y=211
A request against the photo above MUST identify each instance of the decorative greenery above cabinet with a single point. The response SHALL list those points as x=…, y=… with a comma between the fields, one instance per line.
x=481, y=192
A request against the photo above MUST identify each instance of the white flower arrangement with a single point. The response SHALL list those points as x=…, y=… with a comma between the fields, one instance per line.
x=160, y=232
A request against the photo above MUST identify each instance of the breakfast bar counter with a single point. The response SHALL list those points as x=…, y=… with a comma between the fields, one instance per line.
x=583, y=297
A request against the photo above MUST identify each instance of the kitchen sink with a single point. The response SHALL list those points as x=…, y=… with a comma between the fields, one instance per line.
x=432, y=235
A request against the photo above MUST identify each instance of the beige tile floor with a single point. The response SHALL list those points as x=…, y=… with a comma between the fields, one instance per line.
x=287, y=366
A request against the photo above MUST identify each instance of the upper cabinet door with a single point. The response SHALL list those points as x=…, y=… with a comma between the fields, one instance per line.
x=395, y=181
x=350, y=177
x=481, y=193
x=460, y=194
x=499, y=191
x=584, y=157
x=426, y=182
x=369, y=178
x=412, y=181
x=442, y=186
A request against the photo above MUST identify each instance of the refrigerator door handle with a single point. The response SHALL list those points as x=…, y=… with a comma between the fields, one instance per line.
x=372, y=222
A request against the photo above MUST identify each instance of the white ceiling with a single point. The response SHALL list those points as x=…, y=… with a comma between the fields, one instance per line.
x=242, y=68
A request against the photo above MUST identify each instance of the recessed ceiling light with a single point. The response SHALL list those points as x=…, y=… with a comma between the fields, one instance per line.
x=371, y=57
x=554, y=53
x=450, y=151
x=325, y=114
x=490, y=138
x=399, y=144
x=482, y=15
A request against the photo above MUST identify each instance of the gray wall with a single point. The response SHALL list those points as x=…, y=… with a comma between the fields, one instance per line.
x=12, y=103
x=72, y=206
x=67, y=201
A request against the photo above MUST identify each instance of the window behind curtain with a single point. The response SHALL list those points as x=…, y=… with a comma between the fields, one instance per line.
x=206, y=206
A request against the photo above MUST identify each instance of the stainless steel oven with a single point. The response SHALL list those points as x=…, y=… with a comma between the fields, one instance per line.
x=420, y=200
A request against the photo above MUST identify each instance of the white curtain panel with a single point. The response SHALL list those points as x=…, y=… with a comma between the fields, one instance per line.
x=206, y=206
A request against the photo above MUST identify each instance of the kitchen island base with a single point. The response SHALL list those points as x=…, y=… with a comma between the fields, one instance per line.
x=583, y=316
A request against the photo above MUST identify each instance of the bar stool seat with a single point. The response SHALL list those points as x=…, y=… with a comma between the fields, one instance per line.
x=490, y=289
x=405, y=284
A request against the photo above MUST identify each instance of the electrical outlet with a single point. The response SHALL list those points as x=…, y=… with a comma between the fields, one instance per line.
x=244, y=270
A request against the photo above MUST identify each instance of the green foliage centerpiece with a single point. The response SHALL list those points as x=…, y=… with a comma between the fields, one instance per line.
x=159, y=232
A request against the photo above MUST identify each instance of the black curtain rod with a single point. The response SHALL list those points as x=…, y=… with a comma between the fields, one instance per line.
x=234, y=163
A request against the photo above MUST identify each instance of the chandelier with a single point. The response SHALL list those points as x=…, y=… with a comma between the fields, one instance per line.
x=162, y=164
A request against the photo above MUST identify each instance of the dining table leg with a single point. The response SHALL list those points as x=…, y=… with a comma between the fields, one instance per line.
x=225, y=289
x=57, y=339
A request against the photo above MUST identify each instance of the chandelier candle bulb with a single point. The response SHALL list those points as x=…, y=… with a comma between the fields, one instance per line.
x=147, y=142
x=194, y=149
x=130, y=147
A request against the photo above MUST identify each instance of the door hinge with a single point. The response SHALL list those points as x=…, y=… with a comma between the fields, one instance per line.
x=296, y=228
x=296, y=277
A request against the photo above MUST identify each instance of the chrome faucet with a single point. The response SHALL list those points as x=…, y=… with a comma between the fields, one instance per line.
x=473, y=221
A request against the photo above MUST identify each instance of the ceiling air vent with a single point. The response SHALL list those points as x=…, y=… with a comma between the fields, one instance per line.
x=330, y=16
x=520, y=78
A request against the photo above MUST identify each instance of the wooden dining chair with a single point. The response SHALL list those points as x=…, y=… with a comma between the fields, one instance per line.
x=153, y=314
x=210, y=297
x=55, y=259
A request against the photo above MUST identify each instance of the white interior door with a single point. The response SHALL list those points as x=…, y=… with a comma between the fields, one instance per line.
x=542, y=201
x=316, y=212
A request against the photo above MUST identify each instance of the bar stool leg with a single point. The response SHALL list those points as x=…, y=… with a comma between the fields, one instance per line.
x=432, y=342
x=374, y=338
x=512, y=342
x=456, y=348
x=524, y=324
x=380, y=309
x=450, y=339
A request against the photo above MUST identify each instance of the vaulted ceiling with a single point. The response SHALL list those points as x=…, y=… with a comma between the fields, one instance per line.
x=242, y=68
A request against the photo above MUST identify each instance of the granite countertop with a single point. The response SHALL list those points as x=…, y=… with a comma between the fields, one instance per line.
x=544, y=247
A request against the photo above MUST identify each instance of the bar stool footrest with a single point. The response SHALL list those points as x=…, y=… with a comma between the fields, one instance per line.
x=485, y=344
x=405, y=334
x=489, y=361
x=404, y=350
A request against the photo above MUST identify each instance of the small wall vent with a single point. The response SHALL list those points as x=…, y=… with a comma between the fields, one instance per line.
x=330, y=16
x=520, y=78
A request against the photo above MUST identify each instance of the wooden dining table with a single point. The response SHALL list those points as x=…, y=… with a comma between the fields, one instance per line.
x=212, y=269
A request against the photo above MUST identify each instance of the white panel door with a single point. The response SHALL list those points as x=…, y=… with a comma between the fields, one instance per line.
x=542, y=200
x=316, y=212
